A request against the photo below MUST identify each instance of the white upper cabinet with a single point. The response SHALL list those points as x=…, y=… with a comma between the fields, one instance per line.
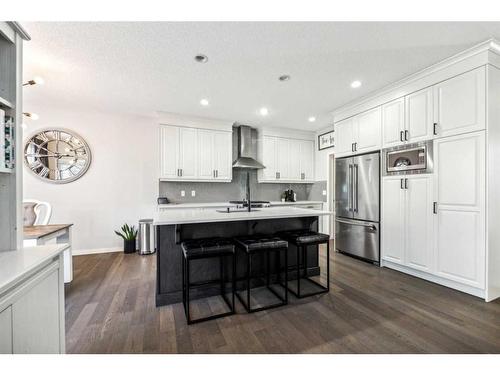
x=282, y=159
x=454, y=106
x=295, y=156
x=223, y=155
x=192, y=154
x=419, y=116
x=368, y=126
x=206, y=154
x=358, y=134
x=307, y=160
x=393, y=123
x=408, y=119
x=188, y=153
x=169, y=152
x=286, y=160
x=459, y=165
x=460, y=103
x=344, y=137
x=268, y=159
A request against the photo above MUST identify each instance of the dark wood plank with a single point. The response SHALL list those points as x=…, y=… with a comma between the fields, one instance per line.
x=110, y=308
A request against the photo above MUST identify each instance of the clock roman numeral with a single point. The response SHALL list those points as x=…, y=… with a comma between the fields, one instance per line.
x=44, y=172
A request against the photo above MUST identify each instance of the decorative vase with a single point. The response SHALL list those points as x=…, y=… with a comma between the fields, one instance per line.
x=129, y=246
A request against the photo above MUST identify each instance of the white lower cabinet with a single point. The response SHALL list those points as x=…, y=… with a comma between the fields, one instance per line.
x=393, y=220
x=6, y=331
x=419, y=222
x=407, y=220
x=32, y=313
x=460, y=196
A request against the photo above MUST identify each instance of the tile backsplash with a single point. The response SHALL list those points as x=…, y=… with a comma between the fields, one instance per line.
x=236, y=190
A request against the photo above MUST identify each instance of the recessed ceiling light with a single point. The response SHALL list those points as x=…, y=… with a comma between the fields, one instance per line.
x=201, y=58
x=264, y=111
x=355, y=84
x=312, y=119
x=284, y=77
x=204, y=102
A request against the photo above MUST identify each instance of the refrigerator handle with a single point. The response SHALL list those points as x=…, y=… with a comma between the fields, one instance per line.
x=360, y=223
x=349, y=188
x=355, y=193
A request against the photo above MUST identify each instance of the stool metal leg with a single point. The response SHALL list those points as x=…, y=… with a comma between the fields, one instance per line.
x=233, y=281
x=268, y=268
x=298, y=271
x=328, y=265
x=221, y=275
x=187, y=292
x=183, y=283
x=249, y=273
x=286, y=275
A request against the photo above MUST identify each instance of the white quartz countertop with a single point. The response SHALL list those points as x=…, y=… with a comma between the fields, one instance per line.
x=227, y=204
x=192, y=216
x=17, y=264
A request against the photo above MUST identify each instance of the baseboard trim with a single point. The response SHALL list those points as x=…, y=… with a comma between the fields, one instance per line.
x=97, y=251
x=435, y=279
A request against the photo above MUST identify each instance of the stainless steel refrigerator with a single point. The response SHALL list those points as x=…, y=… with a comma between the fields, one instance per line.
x=357, y=206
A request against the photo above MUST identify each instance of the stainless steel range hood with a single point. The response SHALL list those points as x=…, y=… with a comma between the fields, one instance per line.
x=246, y=153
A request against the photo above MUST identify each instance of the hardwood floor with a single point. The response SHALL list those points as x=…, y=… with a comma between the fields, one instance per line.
x=110, y=308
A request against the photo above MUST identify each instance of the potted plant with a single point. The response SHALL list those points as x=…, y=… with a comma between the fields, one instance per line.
x=129, y=234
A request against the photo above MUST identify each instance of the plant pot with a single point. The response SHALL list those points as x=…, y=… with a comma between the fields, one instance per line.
x=129, y=246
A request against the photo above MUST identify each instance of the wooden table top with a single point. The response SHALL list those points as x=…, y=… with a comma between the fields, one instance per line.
x=39, y=231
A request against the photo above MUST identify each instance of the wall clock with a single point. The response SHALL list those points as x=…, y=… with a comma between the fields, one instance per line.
x=57, y=155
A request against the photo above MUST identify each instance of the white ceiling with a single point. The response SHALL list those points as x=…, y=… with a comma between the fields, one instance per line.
x=142, y=68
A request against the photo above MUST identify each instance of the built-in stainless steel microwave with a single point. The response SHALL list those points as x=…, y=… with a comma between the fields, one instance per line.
x=408, y=159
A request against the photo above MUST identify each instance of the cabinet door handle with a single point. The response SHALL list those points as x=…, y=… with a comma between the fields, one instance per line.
x=355, y=146
x=352, y=147
x=434, y=130
x=401, y=184
x=279, y=175
x=401, y=136
x=407, y=133
x=406, y=184
x=181, y=172
x=216, y=173
x=435, y=207
x=178, y=173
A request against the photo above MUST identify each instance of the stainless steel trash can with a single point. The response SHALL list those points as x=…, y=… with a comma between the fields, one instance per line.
x=146, y=237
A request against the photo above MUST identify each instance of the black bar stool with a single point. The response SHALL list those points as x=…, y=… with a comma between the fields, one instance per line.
x=264, y=244
x=203, y=249
x=301, y=239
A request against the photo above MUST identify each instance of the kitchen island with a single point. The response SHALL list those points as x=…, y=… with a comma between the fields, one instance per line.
x=174, y=226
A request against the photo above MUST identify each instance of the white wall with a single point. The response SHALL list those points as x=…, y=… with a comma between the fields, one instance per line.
x=121, y=184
